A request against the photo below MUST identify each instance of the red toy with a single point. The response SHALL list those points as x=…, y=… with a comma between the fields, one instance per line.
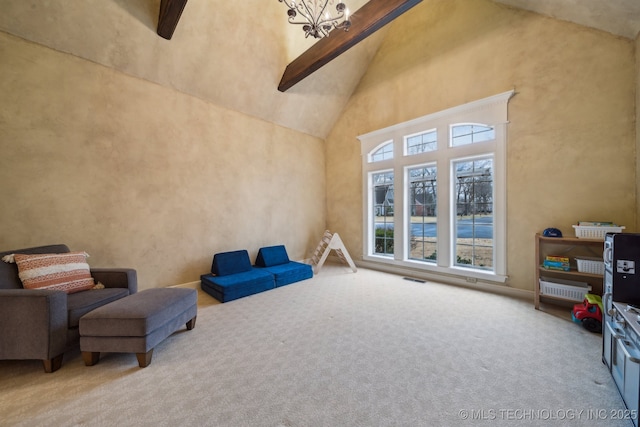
x=589, y=313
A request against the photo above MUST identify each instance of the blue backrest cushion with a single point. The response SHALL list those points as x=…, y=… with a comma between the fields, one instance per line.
x=225, y=263
x=272, y=255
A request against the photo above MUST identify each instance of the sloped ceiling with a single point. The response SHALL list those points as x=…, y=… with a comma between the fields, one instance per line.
x=620, y=17
x=233, y=54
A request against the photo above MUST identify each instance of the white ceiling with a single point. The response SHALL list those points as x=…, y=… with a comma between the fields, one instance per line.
x=620, y=17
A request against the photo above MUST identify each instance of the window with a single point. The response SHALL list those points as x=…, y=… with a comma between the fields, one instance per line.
x=422, y=142
x=439, y=207
x=383, y=153
x=423, y=213
x=474, y=213
x=383, y=224
x=463, y=134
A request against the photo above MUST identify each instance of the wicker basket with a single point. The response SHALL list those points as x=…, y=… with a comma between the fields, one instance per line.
x=590, y=265
x=565, y=289
x=595, y=232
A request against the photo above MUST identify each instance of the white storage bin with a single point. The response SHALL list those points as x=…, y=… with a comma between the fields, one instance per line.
x=590, y=265
x=595, y=232
x=565, y=289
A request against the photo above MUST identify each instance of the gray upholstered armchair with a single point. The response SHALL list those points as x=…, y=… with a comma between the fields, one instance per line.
x=43, y=324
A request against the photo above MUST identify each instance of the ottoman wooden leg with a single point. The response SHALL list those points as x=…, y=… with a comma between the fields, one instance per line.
x=144, y=359
x=191, y=323
x=90, y=357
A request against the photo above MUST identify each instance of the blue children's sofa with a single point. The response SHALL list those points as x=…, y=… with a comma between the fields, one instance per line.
x=234, y=277
x=275, y=260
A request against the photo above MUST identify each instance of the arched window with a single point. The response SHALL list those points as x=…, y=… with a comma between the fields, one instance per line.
x=383, y=152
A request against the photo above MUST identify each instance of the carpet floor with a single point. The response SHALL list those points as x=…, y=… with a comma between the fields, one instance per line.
x=341, y=349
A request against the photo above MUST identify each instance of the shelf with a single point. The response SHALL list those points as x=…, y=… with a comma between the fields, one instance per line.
x=572, y=272
x=568, y=240
x=557, y=298
x=571, y=247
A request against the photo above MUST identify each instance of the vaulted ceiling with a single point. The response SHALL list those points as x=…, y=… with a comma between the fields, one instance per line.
x=620, y=17
x=229, y=55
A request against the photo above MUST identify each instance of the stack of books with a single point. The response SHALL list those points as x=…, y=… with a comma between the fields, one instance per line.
x=554, y=262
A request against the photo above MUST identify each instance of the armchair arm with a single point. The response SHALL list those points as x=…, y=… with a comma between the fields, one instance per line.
x=34, y=323
x=117, y=278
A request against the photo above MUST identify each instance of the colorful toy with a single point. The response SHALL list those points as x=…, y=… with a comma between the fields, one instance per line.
x=589, y=313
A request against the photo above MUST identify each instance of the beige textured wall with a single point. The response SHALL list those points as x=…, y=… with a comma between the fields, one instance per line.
x=571, y=150
x=143, y=176
x=638, y=129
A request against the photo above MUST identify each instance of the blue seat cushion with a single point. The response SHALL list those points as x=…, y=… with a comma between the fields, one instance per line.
x=290, y=272
x=272, y=255
x=234, y=286
x=225, y=263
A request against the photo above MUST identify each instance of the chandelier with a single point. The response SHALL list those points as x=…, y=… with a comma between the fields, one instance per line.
x=316, y=18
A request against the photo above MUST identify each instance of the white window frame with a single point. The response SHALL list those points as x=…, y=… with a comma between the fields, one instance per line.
x=491, y=111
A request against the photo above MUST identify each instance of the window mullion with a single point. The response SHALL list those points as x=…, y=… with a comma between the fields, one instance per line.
x=399, y=180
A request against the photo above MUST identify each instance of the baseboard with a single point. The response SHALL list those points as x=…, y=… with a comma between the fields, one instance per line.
x=192, y=285
x=414, y=274
x=196, y=284
x=448, y=280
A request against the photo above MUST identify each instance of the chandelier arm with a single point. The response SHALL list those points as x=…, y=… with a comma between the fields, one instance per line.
x=296, y=7
x=286, y=2
x=321, y=14
x=307, y=13
x=321, y=31
x=332, y=19
x=291, y=21
x=315, y=17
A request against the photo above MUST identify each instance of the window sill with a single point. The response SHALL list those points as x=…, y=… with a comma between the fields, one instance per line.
x=436, y=272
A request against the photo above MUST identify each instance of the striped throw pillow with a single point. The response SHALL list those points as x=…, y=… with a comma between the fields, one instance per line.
x=67, y=272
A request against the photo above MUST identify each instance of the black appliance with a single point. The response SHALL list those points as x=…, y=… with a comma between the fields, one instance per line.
x=622, y=266
x=621, y=321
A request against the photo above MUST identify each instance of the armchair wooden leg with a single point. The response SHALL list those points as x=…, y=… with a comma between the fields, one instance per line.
x=144, y=358
x=52, y=365
x=191, y=323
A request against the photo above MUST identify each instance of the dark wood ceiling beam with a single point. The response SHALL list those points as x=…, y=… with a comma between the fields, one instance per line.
x=367, y=20
x=170, y=12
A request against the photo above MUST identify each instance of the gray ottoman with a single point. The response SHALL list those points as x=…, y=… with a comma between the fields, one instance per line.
x=137, y=323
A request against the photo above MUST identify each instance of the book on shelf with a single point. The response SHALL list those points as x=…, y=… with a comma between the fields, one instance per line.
x=557, y=268
x=555, y=263
x=557, y=258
